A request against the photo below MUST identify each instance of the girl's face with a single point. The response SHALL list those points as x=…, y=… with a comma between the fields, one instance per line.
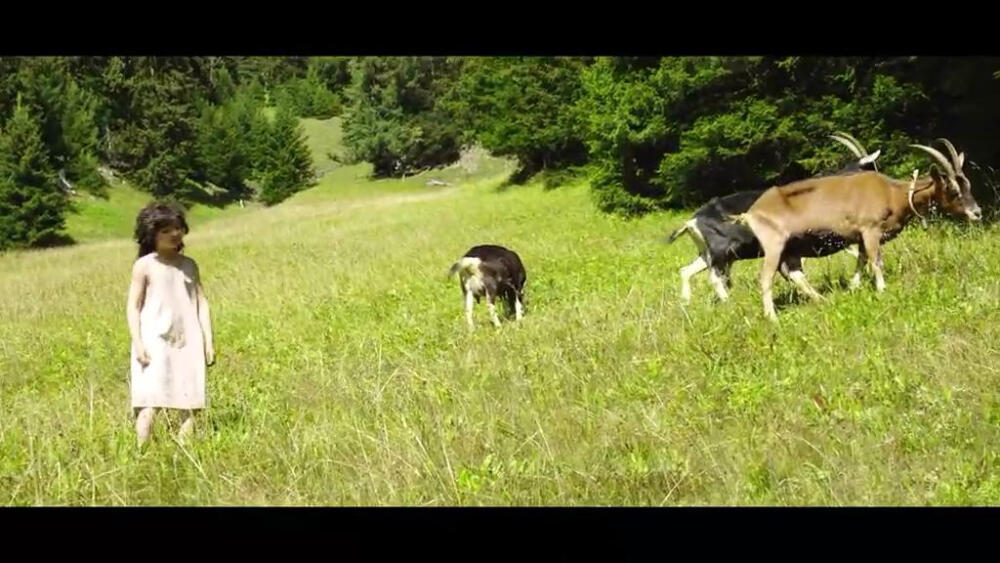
x=169, y=238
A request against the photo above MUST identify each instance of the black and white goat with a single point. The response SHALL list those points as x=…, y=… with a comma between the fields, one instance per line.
x=721, y=242
x=491, y=271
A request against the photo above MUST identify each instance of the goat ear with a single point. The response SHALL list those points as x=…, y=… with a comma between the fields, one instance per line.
x=961, y=161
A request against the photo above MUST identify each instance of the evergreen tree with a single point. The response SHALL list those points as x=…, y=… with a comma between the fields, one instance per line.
x=395, y=119
x=154, y=121
x=223, y=85
x=67, y=114
x=32, y=204
x=230, y=142
x=286, y=165
x=679, y=130
x=309, y=96
x=524, y=107
x=79, y=139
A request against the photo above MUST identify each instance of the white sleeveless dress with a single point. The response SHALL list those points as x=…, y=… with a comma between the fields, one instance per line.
x=171, y=333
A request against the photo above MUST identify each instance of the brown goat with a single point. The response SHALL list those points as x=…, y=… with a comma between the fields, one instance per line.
x=867, y=208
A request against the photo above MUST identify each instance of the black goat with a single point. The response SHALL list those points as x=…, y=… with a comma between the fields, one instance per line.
x=491, y=270
x=721, y=242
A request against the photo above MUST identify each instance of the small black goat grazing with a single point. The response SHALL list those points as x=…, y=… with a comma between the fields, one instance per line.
x=490, y=270
x=721, y=242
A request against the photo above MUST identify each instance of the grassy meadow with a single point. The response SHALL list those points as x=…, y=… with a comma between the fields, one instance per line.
x=345, y=374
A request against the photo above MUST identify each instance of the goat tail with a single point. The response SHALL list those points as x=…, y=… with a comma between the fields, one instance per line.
x=465, y=263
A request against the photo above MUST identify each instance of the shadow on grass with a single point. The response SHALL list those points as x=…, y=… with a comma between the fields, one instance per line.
x=550, y=178
x=55, y=241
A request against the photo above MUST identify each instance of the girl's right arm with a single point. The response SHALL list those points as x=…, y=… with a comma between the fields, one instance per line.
x=136, y=295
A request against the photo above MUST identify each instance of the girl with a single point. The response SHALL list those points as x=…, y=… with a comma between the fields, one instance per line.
x=169, y=322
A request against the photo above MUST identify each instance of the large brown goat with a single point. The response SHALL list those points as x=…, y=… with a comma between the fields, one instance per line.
x=720, y=242
x=867, y=207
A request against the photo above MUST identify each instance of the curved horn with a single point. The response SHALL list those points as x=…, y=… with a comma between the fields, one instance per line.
x=851, y=138
x=870, y=159
x=854, y=149
x=954, y=153
x=948, y=168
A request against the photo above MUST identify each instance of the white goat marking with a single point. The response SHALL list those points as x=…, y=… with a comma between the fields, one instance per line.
x=691, y=269
x=798, y=277
x=474, y=283
x=717, y=283
x=493, y=313
x=469, y=301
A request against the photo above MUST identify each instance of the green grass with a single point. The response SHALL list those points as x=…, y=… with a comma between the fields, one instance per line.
x=113, y=216
x=345, y=373
x=99, y=218
x=324, y=138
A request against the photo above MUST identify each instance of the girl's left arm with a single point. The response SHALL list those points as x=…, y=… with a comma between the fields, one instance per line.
x=205, y=319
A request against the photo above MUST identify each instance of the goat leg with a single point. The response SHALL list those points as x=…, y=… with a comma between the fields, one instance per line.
x=792, y=269
x=798, y=277
x=871, y=239
x=767, y=271
x=493, y=310
x=717, y=282
x=687, y=272
x=469, y=300
x=862, y=259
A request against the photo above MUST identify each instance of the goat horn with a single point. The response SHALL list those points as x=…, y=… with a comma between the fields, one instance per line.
x=870, y=159
x=948, y=168
x=856, y=142
x=854, y=150
x=952, y=151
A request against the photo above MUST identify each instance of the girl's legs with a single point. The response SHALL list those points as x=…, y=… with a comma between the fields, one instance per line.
x=187, y=426
x=144, y=423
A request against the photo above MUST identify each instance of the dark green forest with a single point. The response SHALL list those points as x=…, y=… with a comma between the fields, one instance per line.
x=648, y=133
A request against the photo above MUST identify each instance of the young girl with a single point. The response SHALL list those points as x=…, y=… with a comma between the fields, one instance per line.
x=169, y=322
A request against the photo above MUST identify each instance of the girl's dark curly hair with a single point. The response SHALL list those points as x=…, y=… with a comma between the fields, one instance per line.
x=151, y=219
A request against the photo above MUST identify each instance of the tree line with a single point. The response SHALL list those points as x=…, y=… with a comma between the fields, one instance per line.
x=649, y=133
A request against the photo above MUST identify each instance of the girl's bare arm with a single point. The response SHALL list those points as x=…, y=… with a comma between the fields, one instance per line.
x=204, y=318
x=136, y=296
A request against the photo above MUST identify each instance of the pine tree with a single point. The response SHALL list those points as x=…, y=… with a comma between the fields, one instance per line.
x=309, y=96
x=525, y=107
x=67, y=115
x=227, y=143
x=395, y=121
x=79, y=138
x=224, y=88
x=32, y=204
x=154, y=109
x=286, y=165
